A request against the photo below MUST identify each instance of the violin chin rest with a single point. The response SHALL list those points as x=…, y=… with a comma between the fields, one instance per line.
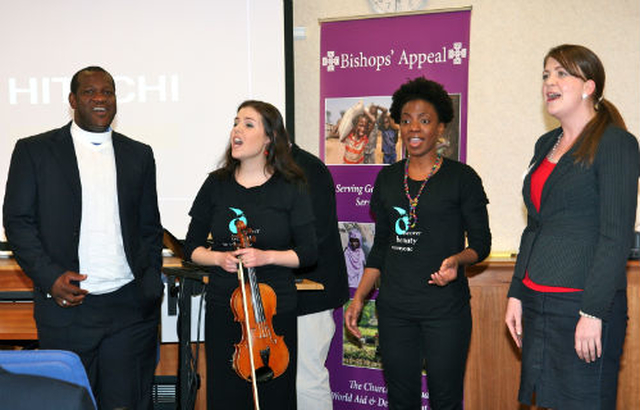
x=264, y=374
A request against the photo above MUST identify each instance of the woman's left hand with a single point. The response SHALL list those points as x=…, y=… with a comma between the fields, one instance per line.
x=588, y=339
x=448, y=272
x=252, y=257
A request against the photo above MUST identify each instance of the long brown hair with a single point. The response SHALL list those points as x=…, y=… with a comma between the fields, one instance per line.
x=278, y=153
x=581, y=62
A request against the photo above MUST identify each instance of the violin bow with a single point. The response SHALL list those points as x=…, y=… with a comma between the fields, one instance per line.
x=254, y=383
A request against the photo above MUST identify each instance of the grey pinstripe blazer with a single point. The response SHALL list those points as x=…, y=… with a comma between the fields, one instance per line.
x=583, y=233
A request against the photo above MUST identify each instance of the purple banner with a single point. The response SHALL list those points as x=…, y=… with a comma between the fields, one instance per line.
x=362, y=63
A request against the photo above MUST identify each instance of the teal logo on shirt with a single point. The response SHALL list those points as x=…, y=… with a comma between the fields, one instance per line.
x=239, y=217
x=402, y=223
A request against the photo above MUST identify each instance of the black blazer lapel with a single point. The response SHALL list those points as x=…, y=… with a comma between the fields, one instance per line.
x=123, y=170
x=566, y=163
x=128, y=179
x=64, y=151
x=538, y=156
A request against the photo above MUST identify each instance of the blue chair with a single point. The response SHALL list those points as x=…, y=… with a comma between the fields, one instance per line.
x=56, y=364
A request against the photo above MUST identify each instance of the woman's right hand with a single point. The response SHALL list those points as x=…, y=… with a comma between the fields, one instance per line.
x=206, y=257
x=227, y=261
x=513, y=319
x=351, y=317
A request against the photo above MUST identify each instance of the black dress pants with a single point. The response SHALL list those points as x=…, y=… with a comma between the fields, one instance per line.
x=117, y=345
x=408, y=344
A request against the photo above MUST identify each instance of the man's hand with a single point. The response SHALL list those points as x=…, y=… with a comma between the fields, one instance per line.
x=65, y=293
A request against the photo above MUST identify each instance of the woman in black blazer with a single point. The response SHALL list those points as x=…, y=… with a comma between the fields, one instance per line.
x=567, y=306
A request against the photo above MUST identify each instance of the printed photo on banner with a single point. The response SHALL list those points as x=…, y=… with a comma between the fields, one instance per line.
x=359, y=130
x=363, y=352
x=449, y=142
x=357, y=239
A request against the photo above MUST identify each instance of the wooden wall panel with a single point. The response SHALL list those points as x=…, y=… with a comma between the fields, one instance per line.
x=629, y=382
x=493, y=368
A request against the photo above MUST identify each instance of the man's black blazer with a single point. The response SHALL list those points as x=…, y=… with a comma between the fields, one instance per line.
x=330, y=269
x=42, y=211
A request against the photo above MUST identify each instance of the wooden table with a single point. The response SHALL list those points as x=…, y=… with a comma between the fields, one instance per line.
x=16, y=317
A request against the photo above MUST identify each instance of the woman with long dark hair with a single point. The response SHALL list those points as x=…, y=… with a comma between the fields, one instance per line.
x=260, y=185
x=567, y=306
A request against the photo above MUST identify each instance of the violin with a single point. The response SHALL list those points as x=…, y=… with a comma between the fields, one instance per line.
x=261, y=355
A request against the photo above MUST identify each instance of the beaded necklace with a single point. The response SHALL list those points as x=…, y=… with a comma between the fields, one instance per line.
x=413, y=202
x=554, y=149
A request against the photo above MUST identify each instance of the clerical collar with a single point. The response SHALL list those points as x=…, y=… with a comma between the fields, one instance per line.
x=95, y=138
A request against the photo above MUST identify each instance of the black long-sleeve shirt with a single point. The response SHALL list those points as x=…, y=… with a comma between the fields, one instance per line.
x=451, y=209
x=280, y=215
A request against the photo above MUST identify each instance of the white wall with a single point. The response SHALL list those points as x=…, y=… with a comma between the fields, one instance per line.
x=181, y=68
x=508, y=42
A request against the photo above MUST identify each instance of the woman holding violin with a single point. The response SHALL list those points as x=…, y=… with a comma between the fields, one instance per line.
x=426, y=207
x=257, y=210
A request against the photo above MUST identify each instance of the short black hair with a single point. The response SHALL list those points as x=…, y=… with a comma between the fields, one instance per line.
x=75, y=82
x=422, y=89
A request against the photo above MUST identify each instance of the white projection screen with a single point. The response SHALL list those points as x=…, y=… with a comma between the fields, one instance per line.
x=181, y=69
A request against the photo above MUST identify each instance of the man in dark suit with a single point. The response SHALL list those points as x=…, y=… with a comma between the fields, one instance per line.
x=316, y=326
x=80, y=212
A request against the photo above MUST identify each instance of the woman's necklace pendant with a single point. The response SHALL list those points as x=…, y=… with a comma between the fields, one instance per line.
x=413, y=202
x=412, y=220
